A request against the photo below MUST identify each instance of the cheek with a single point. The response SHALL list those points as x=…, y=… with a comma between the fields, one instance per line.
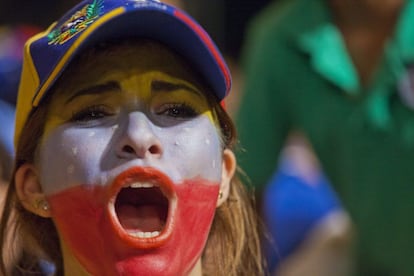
x=69, y=157
x=196, y=150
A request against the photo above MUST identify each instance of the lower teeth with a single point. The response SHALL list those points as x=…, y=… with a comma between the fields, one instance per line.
x=139, y=234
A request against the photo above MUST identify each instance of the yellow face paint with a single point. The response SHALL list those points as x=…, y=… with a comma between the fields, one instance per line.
x=136, y=78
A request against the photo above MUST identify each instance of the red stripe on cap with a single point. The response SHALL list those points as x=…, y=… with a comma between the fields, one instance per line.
x=206, y=39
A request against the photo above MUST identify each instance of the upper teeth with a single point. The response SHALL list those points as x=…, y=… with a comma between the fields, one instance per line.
x=141, y=185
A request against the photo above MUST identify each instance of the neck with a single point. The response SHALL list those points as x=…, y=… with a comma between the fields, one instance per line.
x=378, y=14
x=71, y=266
x=197, y=270
x=366, y=26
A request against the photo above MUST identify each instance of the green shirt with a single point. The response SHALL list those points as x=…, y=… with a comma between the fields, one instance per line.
x=300, y=76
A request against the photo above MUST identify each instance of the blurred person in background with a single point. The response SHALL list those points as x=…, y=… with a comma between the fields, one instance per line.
x=341, y=73
x=308, y=232
x=299, y=203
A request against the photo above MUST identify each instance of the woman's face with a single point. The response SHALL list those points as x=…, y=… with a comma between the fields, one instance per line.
x=131, y=163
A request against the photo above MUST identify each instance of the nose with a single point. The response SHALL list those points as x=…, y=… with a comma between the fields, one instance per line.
x=138, y=139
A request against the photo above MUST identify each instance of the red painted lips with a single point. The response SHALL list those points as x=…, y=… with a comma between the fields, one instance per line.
x=142, y=207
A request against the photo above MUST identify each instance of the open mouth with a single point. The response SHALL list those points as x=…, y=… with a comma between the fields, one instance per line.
x=142, y=209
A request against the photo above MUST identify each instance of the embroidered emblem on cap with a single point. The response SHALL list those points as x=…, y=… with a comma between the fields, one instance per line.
x=77, y=23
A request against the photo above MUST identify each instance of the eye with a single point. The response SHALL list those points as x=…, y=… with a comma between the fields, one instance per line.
x=177, y=110
x=91, y=113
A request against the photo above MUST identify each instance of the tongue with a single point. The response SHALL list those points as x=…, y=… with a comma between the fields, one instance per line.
x=145, y=218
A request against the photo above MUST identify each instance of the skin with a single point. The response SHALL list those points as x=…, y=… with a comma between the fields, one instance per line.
x=131, y=118
x=368, y=10
x=366, y=26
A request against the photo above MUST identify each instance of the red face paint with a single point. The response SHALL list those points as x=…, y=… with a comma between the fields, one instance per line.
x=87, y=225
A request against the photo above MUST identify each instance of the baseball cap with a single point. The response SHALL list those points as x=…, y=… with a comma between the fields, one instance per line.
x=47, y=54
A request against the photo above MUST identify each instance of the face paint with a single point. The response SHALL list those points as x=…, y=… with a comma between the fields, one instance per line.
x=169, y=246
x=126, y=165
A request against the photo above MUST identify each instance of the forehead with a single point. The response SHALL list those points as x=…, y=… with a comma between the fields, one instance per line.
x=135, y=57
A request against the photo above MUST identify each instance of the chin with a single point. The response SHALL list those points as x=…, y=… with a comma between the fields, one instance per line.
x=154, y=266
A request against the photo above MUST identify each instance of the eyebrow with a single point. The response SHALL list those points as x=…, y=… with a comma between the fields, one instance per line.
x=96, y=89
x=159, y=85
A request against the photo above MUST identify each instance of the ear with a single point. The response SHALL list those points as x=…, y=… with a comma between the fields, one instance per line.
x=228, y=168
x=29, y=191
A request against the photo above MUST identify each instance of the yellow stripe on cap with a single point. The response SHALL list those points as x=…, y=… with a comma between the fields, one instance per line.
x=28, y=85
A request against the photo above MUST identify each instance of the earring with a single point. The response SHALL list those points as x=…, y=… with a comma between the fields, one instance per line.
x=42, y=204
x=220, y=194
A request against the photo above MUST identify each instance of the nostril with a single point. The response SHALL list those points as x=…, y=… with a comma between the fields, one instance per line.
x=128, y=149
x=140, y=152
x=154, y=149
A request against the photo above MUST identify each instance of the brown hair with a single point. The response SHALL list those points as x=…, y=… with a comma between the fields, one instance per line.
x=233, y=247
x=27, y=234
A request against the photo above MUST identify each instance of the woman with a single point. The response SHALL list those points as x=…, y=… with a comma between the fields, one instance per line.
x=123, y=149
